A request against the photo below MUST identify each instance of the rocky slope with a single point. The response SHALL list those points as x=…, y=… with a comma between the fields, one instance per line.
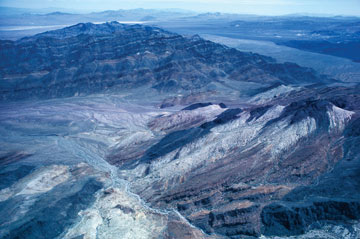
x=89, y=58
x=267, y=170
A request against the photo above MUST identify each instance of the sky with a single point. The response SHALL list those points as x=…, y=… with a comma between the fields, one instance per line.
x=261, y=7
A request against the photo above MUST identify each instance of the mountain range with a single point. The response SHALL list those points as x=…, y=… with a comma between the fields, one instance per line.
x=89, y=58
x=112, y=130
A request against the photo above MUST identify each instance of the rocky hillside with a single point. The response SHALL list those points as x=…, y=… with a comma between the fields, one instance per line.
x=89, y=58
x=273, y=169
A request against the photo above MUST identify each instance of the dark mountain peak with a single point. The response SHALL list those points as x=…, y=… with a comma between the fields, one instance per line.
x=196, y=37
x=197, y=105
x=93, y=57
x=75, y=30
x=201, y=105
x=108, y=28
x=58, y=13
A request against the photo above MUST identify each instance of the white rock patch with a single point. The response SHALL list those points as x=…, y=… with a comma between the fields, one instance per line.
x=116, y=215
x=338, y=118
x=40, y=181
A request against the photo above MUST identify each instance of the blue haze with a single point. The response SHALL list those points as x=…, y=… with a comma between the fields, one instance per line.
x=261, y=7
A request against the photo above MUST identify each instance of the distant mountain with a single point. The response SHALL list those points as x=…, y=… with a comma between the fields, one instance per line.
x=350, y=50
x=90, y=58
x=59, y=14
x=46, y=17
x=9, y=11
x=336, y=36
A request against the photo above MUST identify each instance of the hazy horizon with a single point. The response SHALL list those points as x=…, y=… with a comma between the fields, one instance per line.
x=258, y=7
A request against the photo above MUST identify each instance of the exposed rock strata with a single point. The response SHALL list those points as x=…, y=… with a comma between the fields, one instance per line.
x=88, y=58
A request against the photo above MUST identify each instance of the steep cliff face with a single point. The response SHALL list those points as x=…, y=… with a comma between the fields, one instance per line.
x=89, y=58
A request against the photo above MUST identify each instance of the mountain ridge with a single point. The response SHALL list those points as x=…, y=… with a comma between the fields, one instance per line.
x=84, y=53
